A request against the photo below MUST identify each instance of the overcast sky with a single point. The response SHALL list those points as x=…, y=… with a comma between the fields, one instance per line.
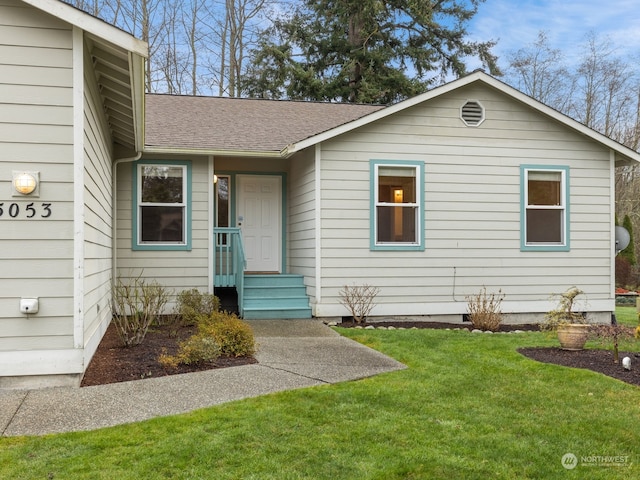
x=516, y=23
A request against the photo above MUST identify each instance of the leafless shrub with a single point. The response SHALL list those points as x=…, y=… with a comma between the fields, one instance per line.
x=612, y=334
x=137, y=304
x=359, y=299
x=485, y=310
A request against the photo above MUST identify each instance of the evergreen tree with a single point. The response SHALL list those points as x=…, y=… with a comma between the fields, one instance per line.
x=366, y=51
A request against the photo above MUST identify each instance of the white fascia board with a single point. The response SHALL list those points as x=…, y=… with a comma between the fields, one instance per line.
x=207, y=152
x=136, y=63
x=91, y=24
x=627, y=154
x=619, y=148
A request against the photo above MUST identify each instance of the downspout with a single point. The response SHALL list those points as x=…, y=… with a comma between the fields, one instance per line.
x=114, y=213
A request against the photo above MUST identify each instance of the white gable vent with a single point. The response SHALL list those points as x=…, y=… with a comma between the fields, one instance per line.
x=472, y=113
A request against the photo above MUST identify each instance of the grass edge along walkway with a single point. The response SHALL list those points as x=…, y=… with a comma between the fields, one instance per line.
x=469, y=406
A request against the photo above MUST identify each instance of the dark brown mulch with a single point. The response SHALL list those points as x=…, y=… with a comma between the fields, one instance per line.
x=600, y=361
x=114, y=363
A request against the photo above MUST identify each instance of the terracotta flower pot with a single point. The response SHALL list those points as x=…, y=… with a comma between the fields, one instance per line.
x=573, y=336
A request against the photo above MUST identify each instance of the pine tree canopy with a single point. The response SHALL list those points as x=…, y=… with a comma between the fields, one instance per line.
x=365, y=51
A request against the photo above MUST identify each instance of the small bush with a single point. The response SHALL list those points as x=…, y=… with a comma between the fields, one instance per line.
x=484, y=310
x=191, y=304
x=359, y=299
x=199, y=348
x=234, y=336
x=219, y=333
x=137, y=304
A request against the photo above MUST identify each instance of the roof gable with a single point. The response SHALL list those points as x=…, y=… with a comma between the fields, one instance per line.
x=90, y=24
x=117, y=60
x=624, y=155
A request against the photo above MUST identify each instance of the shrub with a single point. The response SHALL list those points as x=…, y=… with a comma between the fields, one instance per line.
x=199, y=348
x=484, y=310
x=137, y=305
x=191, y=304
x=359, y=299
x=219, y=333
x=612, y=334
x=563, y=314
x=234, y=336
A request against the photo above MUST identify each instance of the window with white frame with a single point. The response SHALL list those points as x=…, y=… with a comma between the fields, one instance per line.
x=545, y=209
x=161, y=212
x=396, y=204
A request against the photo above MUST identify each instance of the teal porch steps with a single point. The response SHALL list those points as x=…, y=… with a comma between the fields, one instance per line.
x=275, y=296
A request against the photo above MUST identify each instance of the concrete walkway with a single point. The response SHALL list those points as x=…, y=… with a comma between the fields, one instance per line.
x=292, y=354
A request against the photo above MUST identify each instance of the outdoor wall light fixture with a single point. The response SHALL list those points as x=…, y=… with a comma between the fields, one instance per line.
x=26, y=183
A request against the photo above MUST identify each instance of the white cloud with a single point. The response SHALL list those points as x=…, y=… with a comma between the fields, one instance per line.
x=515, y=24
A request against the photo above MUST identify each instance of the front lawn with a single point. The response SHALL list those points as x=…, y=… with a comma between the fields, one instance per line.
x=469, y=406
x=627, y=316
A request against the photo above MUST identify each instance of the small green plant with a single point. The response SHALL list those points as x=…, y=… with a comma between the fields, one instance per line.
x=485, y=310
x=563, y=314
x=359, y=299
x=137, y=305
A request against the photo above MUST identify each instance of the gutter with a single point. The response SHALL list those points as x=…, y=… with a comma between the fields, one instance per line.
x=215, y=153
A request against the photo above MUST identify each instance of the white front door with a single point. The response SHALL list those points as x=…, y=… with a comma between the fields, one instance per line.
x=259, y=217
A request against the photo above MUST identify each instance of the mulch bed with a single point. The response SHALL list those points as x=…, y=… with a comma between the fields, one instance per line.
x=114, y=363
x=600, y=361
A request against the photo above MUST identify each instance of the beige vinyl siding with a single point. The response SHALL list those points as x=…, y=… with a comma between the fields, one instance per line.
x=98, y=222
x=175, y=270
x=36, y=133
x=472, y=206
x=301, y=215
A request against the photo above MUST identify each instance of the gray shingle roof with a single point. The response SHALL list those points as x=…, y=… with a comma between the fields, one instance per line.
x=243, y=125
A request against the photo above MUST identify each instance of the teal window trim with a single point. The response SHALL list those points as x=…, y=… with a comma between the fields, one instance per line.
x=135, y=230
x=565, y=246
x=373, y=182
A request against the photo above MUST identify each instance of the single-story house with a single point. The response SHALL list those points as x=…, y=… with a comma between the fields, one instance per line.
x=470, y=185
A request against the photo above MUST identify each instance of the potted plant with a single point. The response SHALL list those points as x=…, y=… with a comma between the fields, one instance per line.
x=571, y=327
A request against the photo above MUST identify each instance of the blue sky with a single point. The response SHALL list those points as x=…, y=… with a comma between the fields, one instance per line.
x=516, y=23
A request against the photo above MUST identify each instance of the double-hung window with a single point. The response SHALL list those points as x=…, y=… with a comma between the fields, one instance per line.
x=161, y=212
x=396, y=191
x=544, y=207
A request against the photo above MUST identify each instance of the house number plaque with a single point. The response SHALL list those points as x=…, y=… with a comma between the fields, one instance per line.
x=24, y=210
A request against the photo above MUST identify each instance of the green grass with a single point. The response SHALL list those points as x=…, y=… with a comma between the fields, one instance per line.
x=627, y=316
x=469, y=406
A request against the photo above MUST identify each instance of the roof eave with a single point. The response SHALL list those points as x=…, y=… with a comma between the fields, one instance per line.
x=91, y=24
x=158, y=150
x=136, y=63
